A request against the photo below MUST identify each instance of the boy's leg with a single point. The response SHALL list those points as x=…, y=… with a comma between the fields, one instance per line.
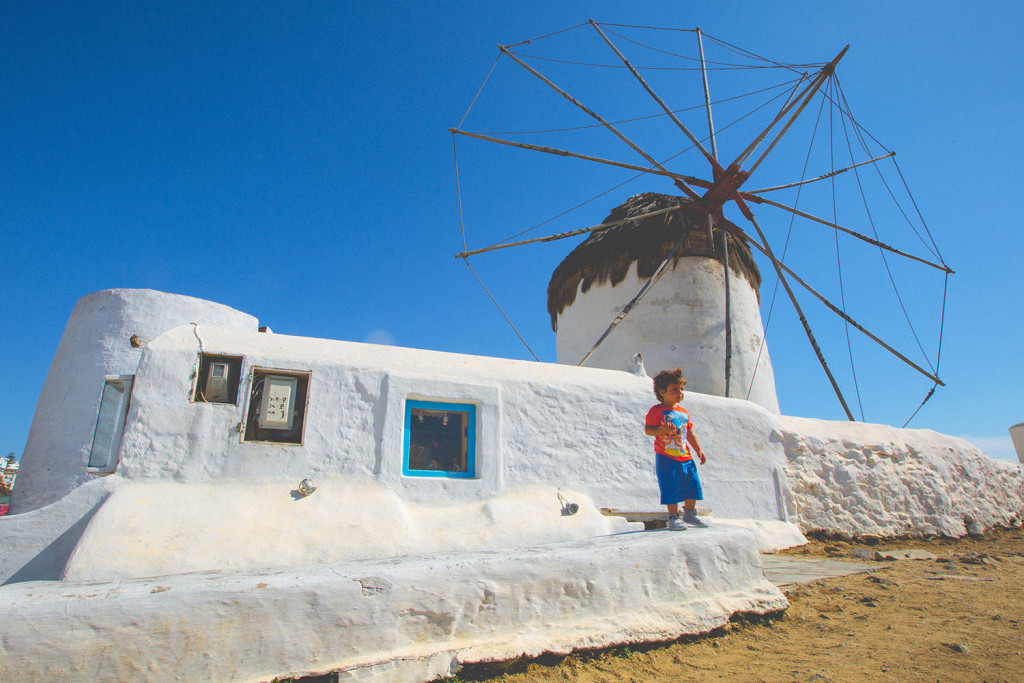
x=669, y=482
x=691, y=486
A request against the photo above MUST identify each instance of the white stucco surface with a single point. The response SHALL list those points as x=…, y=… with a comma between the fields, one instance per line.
x=405, y=619
x=855, y=478
x=160, y=528
x=680, y=322
x=96, y=343
x=36, y=545
x=539, y=424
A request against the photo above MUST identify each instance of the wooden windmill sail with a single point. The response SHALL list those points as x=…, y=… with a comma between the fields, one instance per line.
x=698, y=212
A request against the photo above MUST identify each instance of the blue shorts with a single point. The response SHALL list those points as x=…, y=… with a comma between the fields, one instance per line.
x=678, y=481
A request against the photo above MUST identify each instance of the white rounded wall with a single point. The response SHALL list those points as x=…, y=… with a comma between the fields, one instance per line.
x=97, y=343
x=680, y=322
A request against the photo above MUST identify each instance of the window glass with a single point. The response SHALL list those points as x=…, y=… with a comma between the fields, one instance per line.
x=113, y=411
x=439, y=439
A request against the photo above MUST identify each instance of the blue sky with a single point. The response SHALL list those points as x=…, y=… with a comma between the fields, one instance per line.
x=195, y=148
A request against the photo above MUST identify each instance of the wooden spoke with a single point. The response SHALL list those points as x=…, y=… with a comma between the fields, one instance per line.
x=824, y=176
x=779, y=266
x=679, y=183
x=576, y=155
x=796, y=305
x=661, y=103
x=571, y=233
x=803, y=98
x=825, y=74
x=881, y=245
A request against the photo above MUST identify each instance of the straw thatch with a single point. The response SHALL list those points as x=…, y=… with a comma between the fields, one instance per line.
x=607, y=254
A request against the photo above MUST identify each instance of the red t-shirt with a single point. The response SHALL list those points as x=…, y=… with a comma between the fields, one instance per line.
x=673, y=445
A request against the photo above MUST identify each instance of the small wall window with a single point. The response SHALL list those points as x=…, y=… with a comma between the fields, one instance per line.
x=277, y=406
x=217, y=379
x=113, y=411
x=440, y=439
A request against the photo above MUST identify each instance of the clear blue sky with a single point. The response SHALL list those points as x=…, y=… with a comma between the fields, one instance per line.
x=194, y=147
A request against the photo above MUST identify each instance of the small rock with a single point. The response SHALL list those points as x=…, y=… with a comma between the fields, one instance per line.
x=957, y=647
x=907, y=554
x=881, y=580
x=863, y=553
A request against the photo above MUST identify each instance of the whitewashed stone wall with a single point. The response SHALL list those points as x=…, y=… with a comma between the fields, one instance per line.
x=855, y=479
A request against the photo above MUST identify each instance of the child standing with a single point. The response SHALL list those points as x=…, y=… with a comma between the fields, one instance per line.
x=672, y=429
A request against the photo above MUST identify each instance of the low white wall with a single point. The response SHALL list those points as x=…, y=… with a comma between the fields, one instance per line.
x=96, y=343
x=406, y=619
x=854, y=479
x=163, y=528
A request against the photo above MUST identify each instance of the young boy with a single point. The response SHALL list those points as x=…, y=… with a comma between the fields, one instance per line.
x=672, y=430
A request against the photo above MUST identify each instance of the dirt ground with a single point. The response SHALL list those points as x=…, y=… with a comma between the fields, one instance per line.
x=957, y=617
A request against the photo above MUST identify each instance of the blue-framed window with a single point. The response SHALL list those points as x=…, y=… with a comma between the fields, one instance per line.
x=440, y=440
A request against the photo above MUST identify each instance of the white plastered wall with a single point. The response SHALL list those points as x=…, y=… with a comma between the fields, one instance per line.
x=538, y=423
x=680, y=322
x=197, y=496
x=95, y=344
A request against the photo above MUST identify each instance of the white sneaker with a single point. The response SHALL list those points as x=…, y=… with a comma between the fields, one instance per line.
x=691, y=519
x=675, y=524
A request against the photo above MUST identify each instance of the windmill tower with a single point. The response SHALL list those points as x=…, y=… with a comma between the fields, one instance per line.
x=680, y=322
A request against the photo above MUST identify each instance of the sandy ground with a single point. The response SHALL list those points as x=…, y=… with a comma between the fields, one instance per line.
x=957, y=617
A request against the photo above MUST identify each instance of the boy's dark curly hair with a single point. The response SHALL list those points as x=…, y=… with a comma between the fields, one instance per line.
x=665, y=378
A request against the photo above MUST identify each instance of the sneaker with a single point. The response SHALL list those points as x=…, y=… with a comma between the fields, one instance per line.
x=675, y=524
x=691, y=519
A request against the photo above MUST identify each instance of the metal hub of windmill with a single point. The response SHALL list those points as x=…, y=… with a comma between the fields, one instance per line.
x=765, y=135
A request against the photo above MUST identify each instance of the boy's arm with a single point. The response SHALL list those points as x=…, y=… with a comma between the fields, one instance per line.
x=691, y=437
x=658, y=430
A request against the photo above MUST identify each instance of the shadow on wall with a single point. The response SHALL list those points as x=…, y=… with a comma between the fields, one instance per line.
x=49, y=563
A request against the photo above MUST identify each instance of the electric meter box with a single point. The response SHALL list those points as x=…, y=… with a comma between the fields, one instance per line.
x=277, y=408
x=216, y=390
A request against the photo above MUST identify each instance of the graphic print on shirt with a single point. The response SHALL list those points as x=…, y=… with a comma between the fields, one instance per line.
x=674, y=444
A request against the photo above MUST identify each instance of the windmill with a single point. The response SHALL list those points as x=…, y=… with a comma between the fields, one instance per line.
x=695, y=218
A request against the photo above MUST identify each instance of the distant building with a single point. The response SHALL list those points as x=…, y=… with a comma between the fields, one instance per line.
x=8, y=473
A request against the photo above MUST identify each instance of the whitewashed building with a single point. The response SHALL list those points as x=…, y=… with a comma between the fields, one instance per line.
x=457, y=511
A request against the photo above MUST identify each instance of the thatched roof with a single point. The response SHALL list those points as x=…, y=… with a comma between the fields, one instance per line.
x=607, y=254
